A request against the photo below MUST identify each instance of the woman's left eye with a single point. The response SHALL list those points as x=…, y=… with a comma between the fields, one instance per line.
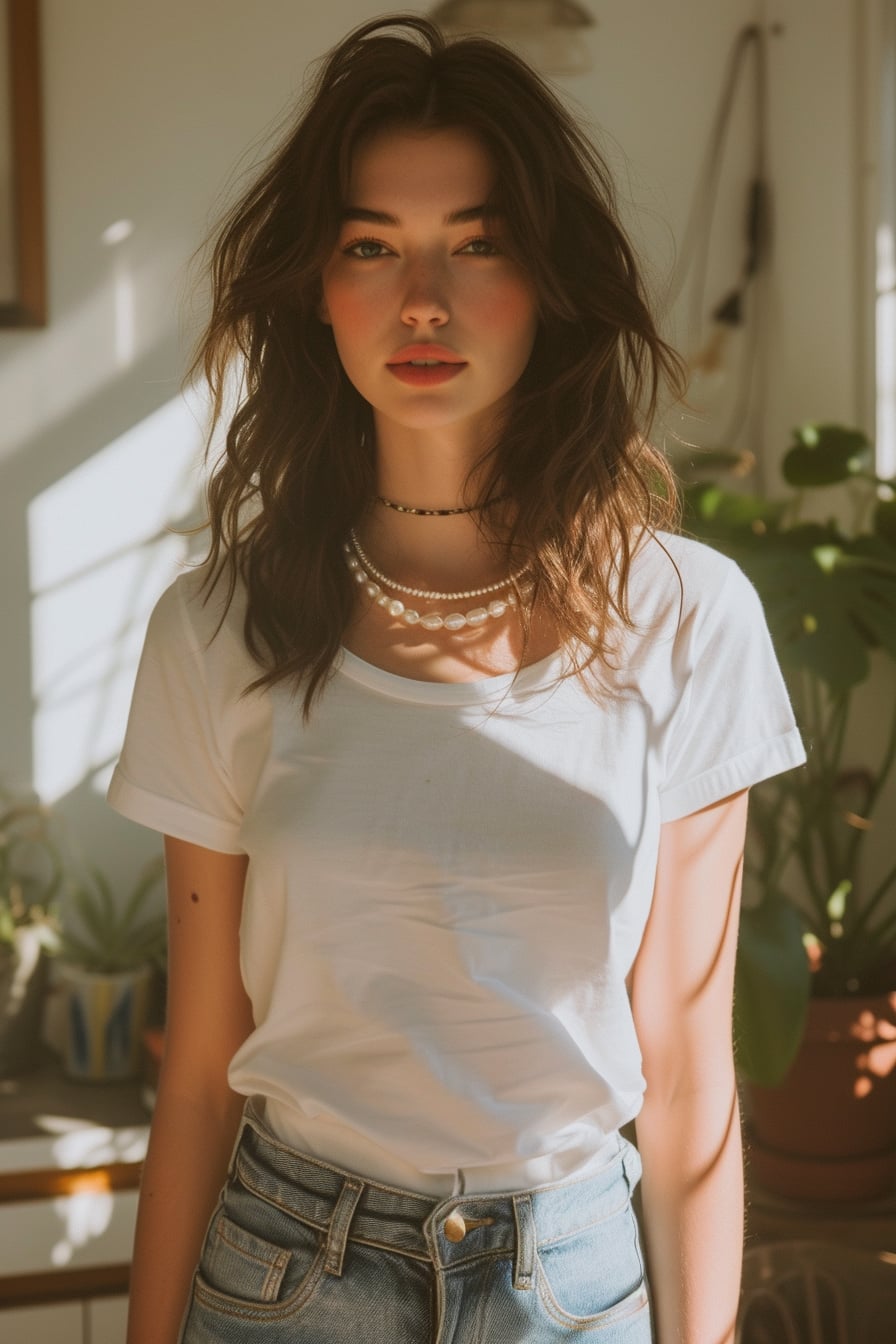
x=481, y=247
x=371, y=249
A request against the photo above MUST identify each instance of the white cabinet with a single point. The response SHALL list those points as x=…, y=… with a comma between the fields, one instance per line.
x=108, y=1318
x=57, y=1323
x=102, y=1321
x=67, y=1208
x=76, y=1231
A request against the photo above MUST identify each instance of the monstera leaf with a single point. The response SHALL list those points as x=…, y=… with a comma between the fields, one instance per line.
x=834, y=603
x=826, y=455
x=829, y=600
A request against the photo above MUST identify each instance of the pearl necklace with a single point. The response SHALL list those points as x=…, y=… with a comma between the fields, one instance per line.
x=367, y=575
x=426, y=592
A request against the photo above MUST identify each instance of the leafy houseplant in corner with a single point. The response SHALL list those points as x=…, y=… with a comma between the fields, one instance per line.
x=109, y=954
x=30, y=877
x=815, y=1001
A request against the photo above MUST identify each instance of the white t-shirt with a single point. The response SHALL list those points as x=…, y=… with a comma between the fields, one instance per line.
x=448, y=884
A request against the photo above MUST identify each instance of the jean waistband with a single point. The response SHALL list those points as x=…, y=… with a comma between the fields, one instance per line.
x=347, y=1206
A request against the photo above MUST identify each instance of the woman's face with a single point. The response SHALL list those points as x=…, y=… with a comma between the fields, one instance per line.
x=416, y=276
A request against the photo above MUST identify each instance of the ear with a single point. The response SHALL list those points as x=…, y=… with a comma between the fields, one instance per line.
x=323, y=311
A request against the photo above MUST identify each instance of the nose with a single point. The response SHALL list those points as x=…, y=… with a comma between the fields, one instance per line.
x=425, y=300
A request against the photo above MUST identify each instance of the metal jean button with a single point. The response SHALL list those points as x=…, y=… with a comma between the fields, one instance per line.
x=455, y=1228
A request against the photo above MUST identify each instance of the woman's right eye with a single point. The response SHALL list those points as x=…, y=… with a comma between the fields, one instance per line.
x=365, y=249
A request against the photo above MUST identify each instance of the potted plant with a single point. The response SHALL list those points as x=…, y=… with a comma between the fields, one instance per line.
x=30, y=878
x=110, y=951
x=815, y=1001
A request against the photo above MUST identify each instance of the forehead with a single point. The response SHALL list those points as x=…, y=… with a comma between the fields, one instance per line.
x=407, y=170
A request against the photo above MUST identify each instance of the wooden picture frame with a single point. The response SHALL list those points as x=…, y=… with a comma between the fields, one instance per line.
x=23, y=290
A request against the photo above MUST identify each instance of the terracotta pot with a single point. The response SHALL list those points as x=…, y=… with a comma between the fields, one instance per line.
x=828, y=1132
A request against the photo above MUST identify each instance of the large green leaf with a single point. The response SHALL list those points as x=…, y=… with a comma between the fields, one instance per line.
x=873, y=561
x=828, y=600
x=714, y=513
x=825, y=455
x=771, y=990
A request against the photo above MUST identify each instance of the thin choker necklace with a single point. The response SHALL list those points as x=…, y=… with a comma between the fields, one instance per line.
x=439, y=513
x=376, y=586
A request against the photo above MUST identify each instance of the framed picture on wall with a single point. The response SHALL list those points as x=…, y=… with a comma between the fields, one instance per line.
x=22, y=261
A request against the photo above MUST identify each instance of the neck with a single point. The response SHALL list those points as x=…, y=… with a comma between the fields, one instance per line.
x=442, y=553
x=431, y=470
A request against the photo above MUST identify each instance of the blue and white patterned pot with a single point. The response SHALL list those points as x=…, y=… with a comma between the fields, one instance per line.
x=105, y=1019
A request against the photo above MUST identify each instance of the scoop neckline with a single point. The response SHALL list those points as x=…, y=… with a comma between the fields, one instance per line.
x=512, y=684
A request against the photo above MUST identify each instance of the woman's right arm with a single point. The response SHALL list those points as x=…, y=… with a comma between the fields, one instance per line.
x=196, y=1114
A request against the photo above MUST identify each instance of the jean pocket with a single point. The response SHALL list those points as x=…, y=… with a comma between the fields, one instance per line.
x=594, y=1277
x=236, y=1257
x=254, y=1270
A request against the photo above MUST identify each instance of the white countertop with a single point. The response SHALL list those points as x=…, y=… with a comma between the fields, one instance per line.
x=71, y=1145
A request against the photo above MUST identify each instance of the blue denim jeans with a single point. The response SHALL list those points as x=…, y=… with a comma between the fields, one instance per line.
x=304, y=1251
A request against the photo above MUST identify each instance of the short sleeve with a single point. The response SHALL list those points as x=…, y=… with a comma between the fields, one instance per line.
x=172, y=775
x=733, y=725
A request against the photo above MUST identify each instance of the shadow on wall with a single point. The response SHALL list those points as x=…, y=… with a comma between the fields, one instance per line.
x=91, y=509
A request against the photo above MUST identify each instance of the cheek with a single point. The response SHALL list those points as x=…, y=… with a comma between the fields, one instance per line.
x=353, y=322
x=348, y=311
x=511, y=314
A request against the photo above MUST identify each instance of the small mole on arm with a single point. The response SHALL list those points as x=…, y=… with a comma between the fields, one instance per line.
x=194, y=897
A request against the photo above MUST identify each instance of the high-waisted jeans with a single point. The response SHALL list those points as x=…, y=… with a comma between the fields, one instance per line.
x=301, y=1250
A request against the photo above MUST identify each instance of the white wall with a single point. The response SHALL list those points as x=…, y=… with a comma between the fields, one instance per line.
x=148, y=109
x=815, y=297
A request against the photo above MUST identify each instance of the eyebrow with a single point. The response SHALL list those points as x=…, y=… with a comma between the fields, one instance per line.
x=472, y=212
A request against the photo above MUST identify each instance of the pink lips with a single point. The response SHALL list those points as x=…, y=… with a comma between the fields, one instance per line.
x=425, y=375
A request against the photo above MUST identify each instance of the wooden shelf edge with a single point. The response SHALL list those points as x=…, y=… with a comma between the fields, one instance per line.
x=18, y=1186
x=32, y=1290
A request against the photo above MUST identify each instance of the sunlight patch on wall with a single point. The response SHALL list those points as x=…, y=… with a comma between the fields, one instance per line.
x=123, y=290
x=101, y=551
x=122, y=320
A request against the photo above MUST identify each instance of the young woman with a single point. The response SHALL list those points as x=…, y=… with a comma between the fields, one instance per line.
x=450, y=739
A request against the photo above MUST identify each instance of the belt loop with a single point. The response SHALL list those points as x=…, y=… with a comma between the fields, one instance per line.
x=524, y=1258
x=340, y=1224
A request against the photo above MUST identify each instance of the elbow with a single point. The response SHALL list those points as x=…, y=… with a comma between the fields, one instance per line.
x=676, y=1080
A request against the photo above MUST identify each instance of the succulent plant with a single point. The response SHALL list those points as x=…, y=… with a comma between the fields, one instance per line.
x=108, y=936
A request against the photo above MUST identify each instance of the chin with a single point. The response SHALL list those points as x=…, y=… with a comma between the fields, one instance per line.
x=423, y=412
x=428, y=417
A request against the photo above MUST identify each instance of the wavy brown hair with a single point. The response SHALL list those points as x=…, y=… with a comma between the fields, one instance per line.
x=573, y=455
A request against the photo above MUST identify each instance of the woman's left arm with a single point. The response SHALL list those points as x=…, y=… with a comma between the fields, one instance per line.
x=688, y=1131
